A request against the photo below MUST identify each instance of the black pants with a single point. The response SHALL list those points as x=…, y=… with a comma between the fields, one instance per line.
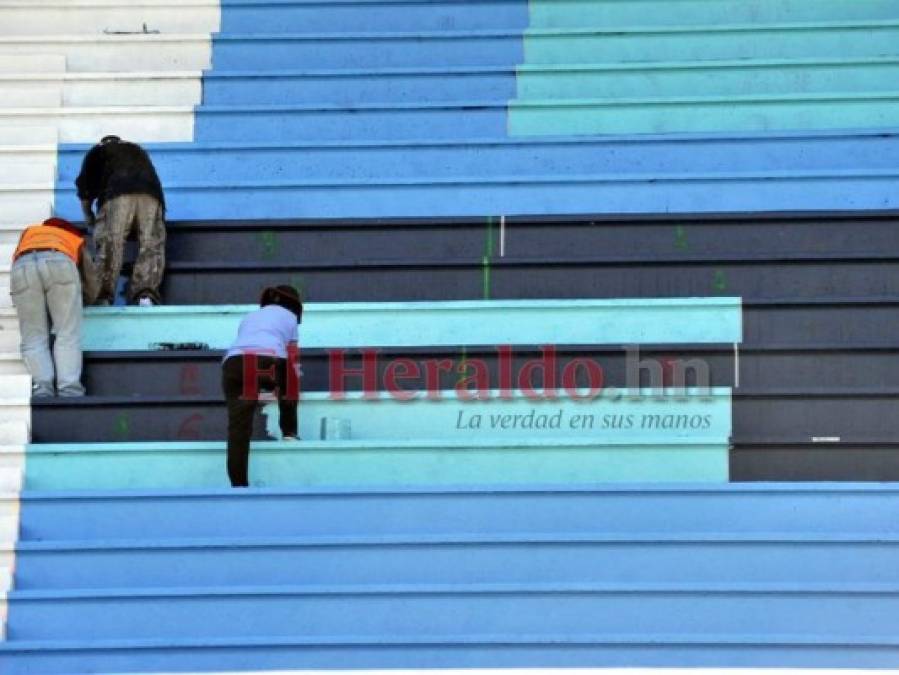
x=241, y=397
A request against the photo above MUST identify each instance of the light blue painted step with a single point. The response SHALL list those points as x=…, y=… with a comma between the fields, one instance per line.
x=629, y=13
x=342, y=15
x=750, y=40
x=653, y=416
x=227, y=163
x=708, y=78
x=472, y=610
x=496, y=322
x=565, y=557
x=751, y=511
x=611, y=193
x=702, y=115
x=562, y=459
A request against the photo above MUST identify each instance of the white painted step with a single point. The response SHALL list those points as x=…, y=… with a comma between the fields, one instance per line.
x=14, y=156
x=31, y=136
x=111, y=89
x=86, y=125
x=5, y=578
x=9, y=529
x=11, y=478
x=33, y=62
x=118, y=53
x=33, y=208
x=11, y=363
x=13, y=173
x=36, y=96
x=9, y=507
x=195, y=16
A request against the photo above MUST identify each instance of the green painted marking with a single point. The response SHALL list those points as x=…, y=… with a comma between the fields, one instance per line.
x=269, y=243
x=680, y=238
x=123, y=426
x=485, y=266
x=719, y=283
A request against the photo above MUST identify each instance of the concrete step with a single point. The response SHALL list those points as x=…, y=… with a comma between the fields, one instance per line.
x=42, y=96
x=9, y=532
x=93, y=16
x=117, y=53
x=12, y=466
x=31, y=61
x=80, y=125
x=108, y=89
x=44, y=136
x=26, y=172
x=34, y=207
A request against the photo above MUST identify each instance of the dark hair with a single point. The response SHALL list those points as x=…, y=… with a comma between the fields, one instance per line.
x=110, y=139
x=283, y=296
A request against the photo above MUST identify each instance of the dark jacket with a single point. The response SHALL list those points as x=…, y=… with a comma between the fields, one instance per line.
x=113, y=169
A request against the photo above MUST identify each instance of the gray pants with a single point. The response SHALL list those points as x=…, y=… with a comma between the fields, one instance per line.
x=46, y=287
x=118, y=219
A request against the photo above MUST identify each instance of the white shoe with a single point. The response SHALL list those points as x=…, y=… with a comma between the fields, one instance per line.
x=145, y=302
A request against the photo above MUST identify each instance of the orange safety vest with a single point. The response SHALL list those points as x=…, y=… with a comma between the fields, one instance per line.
x=50, y=237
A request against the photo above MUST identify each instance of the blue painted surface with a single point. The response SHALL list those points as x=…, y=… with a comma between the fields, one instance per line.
x=639, y=576
x=383, y=324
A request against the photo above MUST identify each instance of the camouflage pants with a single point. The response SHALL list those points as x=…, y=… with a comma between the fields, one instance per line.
x=118, y=219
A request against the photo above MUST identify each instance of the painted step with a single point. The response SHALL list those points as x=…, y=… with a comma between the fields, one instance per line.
x=788, y=510
x=116, y=53
x=44, y=96
x=111, y=89
x=823, y=459
x=158, y=374
x=504, y=651
x=68, y=18
x=575, y=14
x=705, y=115
x=34, y=62
x=658, y=321
x=703, y=78
x=324, y=17
x=27, y=172
x=512, y=559
x=584, y=45
x=89, y=124
x=25, y=204
x=636, y=157
x=487, y=461
x=15, y=432
x=416, y=416
x=514, y=195
x=408, y=611
x=594, y=276
x=706, y=43
x=755, y=236
x=573, y=81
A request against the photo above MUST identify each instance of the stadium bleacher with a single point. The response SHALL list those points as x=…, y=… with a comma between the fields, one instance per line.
x=704, y=180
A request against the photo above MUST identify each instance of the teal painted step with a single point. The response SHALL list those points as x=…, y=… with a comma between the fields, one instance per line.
x=350, y=325
x=702, y=115
x=132, y=466
x=624, y=13
x=650, y=415
x=707, y=78
x=713, y=43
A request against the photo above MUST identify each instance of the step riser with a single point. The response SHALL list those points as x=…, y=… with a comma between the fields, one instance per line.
x=760, y=43
x=470, y=199
x=38, y=61
x=655, y=83
x=734, y=510
x=576, y=14
x=540, y=281
x=121, y=55
x=788, y=562
x=88, y=20
x=586, y=157
x=416, y=16
x=80, y=128
x=398, y=616
x=100, y=93
x=201, y=375
x=699, y=117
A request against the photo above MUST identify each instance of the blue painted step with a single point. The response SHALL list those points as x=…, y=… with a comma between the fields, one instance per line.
x=249, y=16
x=471, y=610
x=750, y=511
x=428, y=559
x=224, y=162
